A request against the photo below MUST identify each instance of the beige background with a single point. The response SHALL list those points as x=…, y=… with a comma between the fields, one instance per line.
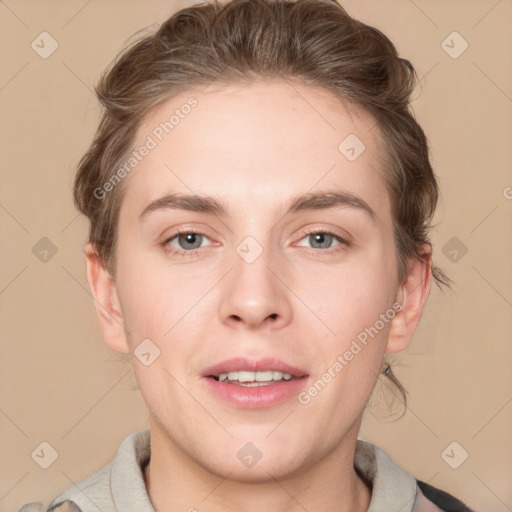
x=62, y=385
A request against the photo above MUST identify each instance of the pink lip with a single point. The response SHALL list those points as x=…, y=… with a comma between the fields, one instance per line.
x=252, y=365
x=257, y=396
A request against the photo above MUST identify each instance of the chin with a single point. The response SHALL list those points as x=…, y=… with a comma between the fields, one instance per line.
x=263, y=471
x=255, y=461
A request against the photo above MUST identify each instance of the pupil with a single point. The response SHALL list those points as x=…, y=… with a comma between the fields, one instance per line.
x=190, y=238
x=326, y=239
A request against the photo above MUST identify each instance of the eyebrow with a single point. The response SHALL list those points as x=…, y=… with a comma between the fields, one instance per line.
x=306, y=202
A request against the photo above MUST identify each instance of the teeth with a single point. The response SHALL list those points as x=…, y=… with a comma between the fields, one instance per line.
x=265, y=376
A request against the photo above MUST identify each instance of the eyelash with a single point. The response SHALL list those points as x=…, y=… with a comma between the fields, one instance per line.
x=180, y=252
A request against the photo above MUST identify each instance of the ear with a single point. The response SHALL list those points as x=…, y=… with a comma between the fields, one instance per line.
x=412, y=295
x=103, y=288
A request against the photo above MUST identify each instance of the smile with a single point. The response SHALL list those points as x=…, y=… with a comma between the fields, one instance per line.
x=261, y=378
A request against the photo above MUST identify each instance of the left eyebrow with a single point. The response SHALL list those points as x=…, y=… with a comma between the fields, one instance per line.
x=329, y=199
x=306, y=202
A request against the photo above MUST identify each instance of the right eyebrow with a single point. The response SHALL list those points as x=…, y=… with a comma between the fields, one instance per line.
x=194, y=203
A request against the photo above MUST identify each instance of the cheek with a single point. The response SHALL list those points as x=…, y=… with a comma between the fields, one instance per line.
x=355, y=306
x=154, y=296
x=349, y=296
x=157, y=306
x=347, y=364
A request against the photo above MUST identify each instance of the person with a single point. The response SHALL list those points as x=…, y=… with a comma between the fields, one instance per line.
x=276, y=138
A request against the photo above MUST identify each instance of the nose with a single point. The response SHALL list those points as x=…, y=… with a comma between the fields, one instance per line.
x=254, y=294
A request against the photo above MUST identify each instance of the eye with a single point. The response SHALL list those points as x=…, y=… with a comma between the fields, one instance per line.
x=184, y=242
x=187, y=242
x=322, y=239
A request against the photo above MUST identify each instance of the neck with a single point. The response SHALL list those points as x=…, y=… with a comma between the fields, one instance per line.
x=330, y=485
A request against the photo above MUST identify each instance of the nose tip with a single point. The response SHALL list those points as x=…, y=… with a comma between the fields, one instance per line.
x=253, y=295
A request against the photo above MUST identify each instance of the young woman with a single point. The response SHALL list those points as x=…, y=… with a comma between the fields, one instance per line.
x=259, y=196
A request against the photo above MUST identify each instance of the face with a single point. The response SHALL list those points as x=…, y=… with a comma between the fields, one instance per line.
x=289, y=267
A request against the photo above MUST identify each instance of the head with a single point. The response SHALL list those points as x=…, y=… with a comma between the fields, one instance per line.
x=258, y=117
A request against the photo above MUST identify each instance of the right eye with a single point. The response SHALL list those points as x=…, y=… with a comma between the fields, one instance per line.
x=188, y=242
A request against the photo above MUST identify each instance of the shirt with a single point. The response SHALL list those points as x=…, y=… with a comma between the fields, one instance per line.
x=120, y=487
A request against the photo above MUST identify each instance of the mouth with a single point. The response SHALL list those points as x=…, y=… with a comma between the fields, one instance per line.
x=253, y=379
x=251, y=383
x=264, y=371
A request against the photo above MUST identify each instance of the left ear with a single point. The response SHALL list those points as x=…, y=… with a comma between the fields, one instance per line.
x=412, y=295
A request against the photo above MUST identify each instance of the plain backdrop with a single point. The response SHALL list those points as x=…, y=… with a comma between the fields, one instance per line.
x=61, y=385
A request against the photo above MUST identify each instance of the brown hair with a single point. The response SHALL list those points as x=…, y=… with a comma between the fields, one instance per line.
x=313, y=41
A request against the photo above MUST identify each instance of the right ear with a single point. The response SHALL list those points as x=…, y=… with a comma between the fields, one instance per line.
x=103, y=288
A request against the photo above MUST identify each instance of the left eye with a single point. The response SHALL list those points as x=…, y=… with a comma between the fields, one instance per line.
x=187, y=240
x=323, y=239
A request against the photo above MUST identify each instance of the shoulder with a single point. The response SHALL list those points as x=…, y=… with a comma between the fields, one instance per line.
x=444, y=501
x=63, y=506
x=74, y=498
x=110, y=488
x=392, y=485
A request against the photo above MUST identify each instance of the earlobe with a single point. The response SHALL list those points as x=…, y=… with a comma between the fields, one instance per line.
x=412, y=295
x=108, y=308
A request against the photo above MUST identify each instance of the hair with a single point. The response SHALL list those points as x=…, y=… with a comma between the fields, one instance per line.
x=315, y=42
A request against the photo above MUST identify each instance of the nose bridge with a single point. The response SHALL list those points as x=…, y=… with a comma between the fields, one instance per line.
x=253, y=292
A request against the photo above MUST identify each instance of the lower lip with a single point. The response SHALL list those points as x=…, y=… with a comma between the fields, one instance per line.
x=257, y=396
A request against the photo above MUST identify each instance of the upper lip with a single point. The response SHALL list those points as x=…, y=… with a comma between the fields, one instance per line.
x=252, y=365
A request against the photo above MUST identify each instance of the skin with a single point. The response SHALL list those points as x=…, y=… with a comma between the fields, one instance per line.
x=254, y=147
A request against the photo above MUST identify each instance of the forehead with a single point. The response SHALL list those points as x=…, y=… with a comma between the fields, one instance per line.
x=266, y=140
